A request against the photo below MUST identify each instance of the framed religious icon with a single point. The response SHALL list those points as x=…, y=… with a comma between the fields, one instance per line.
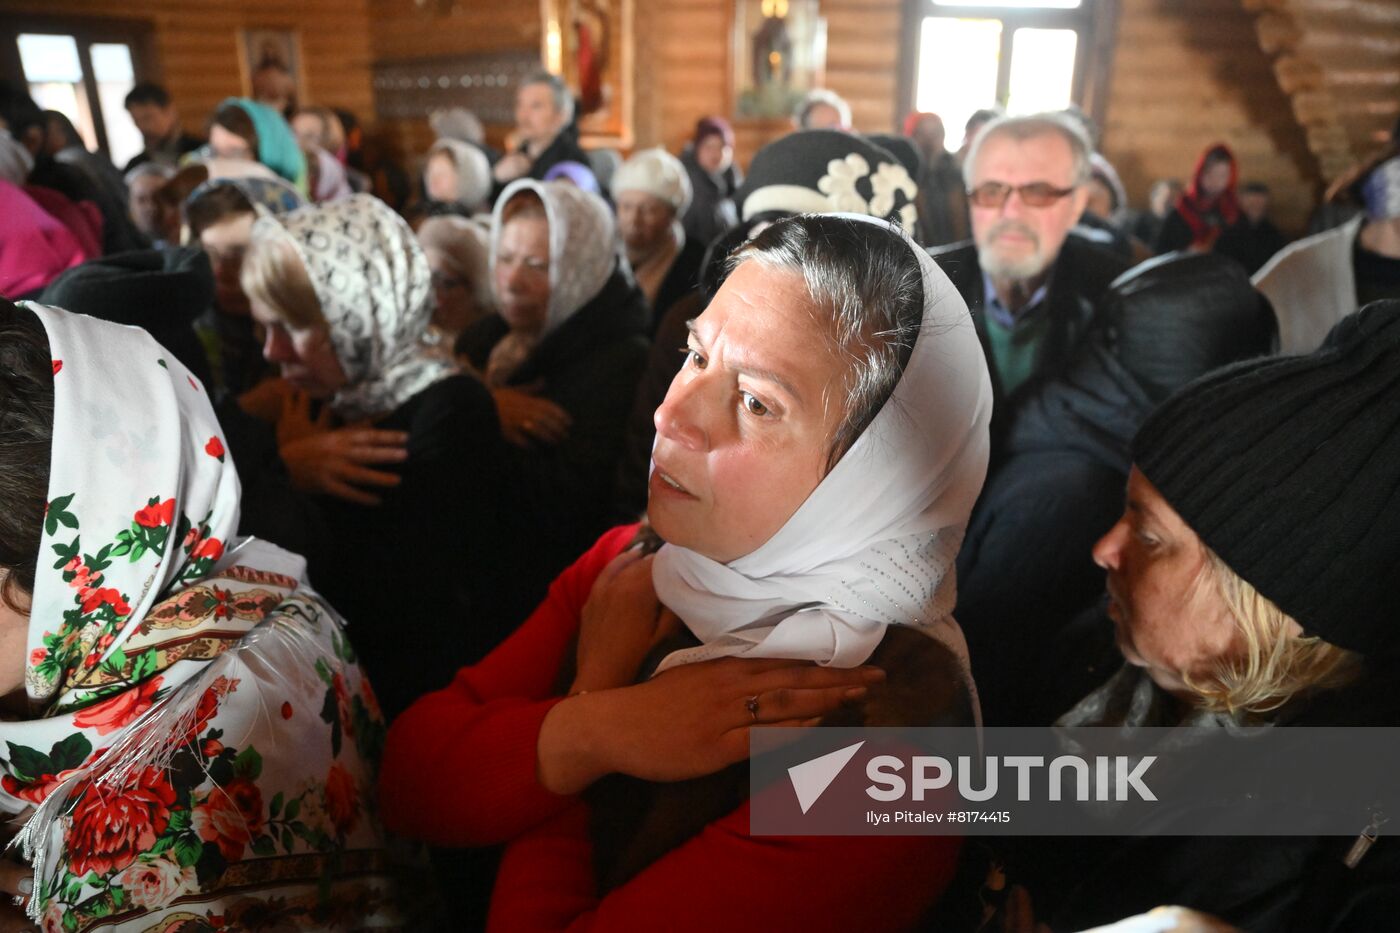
x=589, y=44
x=779, y=55
x=270, y=64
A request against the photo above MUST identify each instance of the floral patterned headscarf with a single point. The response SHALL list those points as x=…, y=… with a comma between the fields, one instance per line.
x=168, y=663
x=375, y=289
x=127, y=528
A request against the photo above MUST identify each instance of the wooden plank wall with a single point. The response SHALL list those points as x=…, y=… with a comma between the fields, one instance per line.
x=682, y=60
x=199, y=49
x=1188, y=73
x=400, y=30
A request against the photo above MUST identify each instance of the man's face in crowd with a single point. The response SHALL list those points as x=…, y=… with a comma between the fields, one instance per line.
x=536, y=118
x=1017, y=241
x=143, y=206
x=154, y=121
x=1255, y=205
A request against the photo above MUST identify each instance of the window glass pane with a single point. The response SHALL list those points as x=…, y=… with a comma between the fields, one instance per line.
x=1018, y=4
x=111, y=61
x=111, y=66
x=55, y=78
x=49, y=59
x=1042, y=70
x=957, y=69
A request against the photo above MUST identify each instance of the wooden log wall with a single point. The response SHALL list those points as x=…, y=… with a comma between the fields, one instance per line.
x=1339, y=63
x=682, y=54
x=403, y=30
x=1188, y=73
x=198, y=46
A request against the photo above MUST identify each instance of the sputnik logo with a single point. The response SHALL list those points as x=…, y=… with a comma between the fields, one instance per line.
x=811, y=778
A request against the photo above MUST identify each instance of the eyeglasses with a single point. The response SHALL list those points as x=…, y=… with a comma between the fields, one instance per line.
x=994, y=194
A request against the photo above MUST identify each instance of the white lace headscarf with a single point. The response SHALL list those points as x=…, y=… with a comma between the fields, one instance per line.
x=874, y=543
x=375, y=291
x=582, y=255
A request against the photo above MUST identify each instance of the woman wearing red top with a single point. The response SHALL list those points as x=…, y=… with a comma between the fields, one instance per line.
x=815, y=463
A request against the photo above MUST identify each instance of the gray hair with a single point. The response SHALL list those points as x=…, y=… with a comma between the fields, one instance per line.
x=1028, y=127
x=563, y=100
x=868, y=285
x=819, y=96
x=156, y=169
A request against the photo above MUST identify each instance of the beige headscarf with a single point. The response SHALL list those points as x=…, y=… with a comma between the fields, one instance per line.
x=582, y=255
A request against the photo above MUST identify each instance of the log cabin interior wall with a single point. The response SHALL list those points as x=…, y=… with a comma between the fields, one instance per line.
x=1188, y=73
x=1184, y=73
x=197, y=45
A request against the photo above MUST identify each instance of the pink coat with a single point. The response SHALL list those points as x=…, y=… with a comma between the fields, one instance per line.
x=35, y=247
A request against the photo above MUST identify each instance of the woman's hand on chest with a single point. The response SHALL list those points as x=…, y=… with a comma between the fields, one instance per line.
x=689, y=721
x=622, y=622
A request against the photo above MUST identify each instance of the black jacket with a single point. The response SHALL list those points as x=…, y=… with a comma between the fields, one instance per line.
x=563, y=148
x=682, y=278
x=1277, y=884
x=1025, y=568
x=1082, y=273
x=589, y=366
x=712, y=209
x=421, y=579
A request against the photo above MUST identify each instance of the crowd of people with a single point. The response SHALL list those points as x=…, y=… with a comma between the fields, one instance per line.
x=426, y=549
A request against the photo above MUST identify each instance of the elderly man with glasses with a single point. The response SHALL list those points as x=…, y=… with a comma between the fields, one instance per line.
x=1037, y=293
x=1032, y=287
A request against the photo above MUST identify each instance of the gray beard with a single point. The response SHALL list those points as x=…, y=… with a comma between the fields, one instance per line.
x=1019, y=270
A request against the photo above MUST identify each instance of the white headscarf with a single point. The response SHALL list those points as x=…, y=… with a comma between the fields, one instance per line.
x=874, y=543
x=466, y=246
x=332, y=184
x=375, y=290
x=582, y=244
x=473, y=171
x=582, y=255
x=157, y=635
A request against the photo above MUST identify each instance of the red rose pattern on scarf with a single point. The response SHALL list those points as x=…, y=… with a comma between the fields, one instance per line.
x=175, y=830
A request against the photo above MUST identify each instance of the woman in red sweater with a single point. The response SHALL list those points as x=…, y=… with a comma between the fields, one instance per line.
x=815, y=463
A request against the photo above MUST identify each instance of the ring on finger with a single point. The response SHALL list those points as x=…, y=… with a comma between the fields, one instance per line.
x=18, y=900
x=751, y=704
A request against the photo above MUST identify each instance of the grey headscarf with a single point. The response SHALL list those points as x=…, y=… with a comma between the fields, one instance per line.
x=375, y=290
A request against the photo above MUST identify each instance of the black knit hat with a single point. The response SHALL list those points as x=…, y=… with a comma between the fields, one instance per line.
x=1289, y=469
x=824, y=172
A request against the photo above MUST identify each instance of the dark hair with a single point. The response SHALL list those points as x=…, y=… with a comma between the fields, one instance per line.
x=215, y=205
x=985, y=115
x=26, y=439
x=868, y=284
x=147, y=92
x=53, y=119
x=18, y=109
x=236, y=120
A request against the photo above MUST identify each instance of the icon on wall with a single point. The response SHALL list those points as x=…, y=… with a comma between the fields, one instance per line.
x=270, y=63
